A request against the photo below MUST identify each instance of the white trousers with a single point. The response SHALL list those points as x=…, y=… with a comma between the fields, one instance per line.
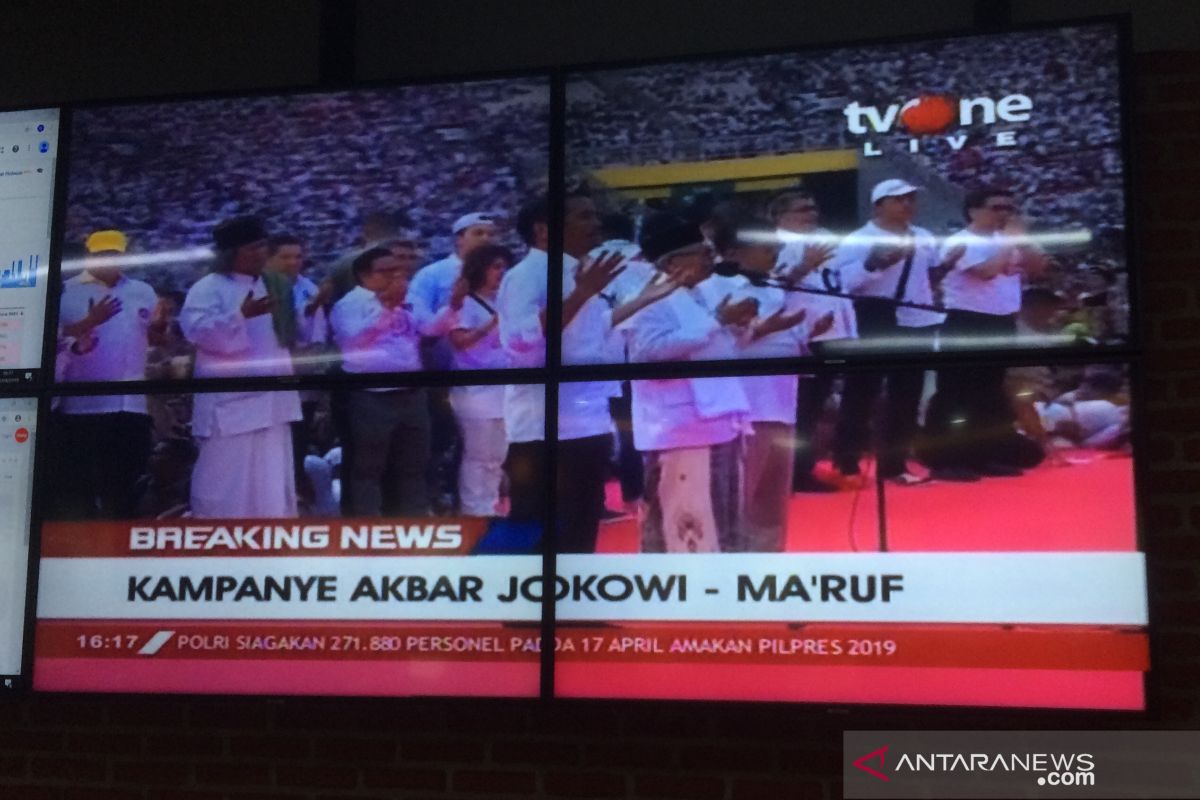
x=484, y=448
x=248, y=475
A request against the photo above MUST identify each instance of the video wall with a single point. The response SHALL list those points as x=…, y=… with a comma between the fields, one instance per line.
x=805, y=381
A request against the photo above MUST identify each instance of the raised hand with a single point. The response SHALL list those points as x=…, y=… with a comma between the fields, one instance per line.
x=779, y=321
x=822, y=325
x=814, y=256
x=883, y=256
x=651, y=293
x=954, y=255
x=654, y=291
x=596, y=274
x=458, y=293
x=102, y=312
x=322, y=297
x=256, y=308
x=736, y=314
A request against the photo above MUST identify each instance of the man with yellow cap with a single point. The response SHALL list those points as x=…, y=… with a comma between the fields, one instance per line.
x=107, y=322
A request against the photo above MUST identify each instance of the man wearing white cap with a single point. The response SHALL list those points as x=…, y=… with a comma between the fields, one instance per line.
x=433, y=284
x=428, y=295
x=107, y=322
x=885, y=261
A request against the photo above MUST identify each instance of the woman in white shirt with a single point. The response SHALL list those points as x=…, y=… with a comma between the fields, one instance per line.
x=480, y=409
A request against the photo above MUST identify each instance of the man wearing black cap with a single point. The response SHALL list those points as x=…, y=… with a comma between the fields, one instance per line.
x=244, y=468
x=688, y=428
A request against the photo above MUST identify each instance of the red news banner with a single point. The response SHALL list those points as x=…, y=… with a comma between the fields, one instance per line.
x=284, y=607
x=366, y=591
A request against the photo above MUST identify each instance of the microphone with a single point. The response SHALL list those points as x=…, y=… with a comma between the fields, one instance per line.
x=731, y=269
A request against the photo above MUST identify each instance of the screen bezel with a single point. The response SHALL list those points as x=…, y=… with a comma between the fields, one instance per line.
x=553, y=371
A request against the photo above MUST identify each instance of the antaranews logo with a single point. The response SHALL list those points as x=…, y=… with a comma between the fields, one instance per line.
x=1049, y=769
x=861, y=763
x=931, y=114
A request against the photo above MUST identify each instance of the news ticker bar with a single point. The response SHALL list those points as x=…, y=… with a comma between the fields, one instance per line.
x=987, y=764
x=996, y=588
x=995, y=647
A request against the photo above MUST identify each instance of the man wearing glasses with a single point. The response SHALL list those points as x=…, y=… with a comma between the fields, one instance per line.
x=806, y=261
x=389, y=427
x=984, y=264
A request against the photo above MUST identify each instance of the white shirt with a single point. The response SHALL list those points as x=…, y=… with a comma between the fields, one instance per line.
x=430, y=291
x=479, y=402
x=626, y=286
x=373, y=337
x=312, y=329
x=120, y=344
x=228, y=344
x=680, y=327
x=1000, y=294
x=772, y=398
x=850, y=262
x=486, y=353
x=827, y=278
x=685, y=412
x=582, y=406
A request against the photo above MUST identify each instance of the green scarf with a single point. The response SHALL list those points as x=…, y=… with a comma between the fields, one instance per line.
x=283, y=315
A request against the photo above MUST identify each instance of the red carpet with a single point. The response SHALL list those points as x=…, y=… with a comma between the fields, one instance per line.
x=1084, y=506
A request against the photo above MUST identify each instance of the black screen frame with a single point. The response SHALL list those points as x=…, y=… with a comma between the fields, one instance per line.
x=821, y=714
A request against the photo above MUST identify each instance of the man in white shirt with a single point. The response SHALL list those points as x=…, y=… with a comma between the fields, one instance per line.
x=389, y=428
x=782, y=329
x=428, y=294
x=584, y=426
x=806, y=260
x=984, y=262
x=689, y=429
x=244, y=467
x=378, y=227
x=434, y=283
x=887, y=259
x=299, y=303
x=107, y=322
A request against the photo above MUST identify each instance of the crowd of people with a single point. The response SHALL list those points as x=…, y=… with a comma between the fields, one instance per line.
x=165, y=174
x=707, y=464
x=1066, y=166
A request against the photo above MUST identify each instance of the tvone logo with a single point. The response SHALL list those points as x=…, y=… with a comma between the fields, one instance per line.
x=931, y=114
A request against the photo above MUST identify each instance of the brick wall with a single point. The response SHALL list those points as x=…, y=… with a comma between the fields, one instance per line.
x=56, y=748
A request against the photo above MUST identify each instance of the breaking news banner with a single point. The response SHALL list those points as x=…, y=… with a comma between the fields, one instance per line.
x=987, y=764
x=916, y=197
x=285, y=543
x=964, y=536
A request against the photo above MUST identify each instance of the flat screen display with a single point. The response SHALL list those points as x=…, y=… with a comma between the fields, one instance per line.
x=285, y=543
x=297, y=234
x=28, y=155
x=907, y=198
x=18, y=427
x=964, y=536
